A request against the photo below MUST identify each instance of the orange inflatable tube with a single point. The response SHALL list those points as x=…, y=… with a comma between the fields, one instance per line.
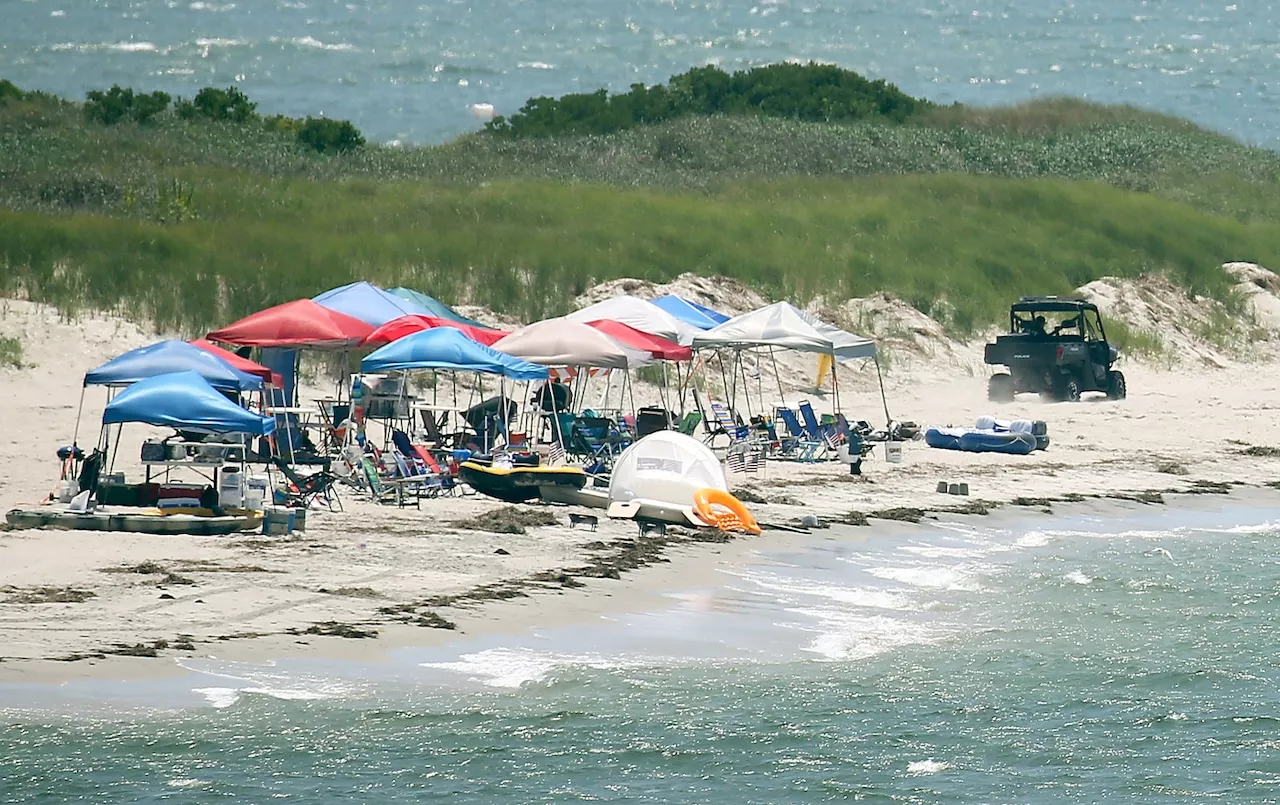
x=724, y=511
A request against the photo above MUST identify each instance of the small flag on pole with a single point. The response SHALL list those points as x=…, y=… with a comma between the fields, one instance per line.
x=555, y=455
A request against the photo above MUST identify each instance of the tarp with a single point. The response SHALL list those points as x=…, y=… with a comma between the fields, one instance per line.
x=785, y=326
x=171, y=356
x=184, y=401
x=301, y=323
x=448, y=349
x=560, y=342
x=691, y=313
x=643, y=315
x=656, y=346
x=433, y=306
x=408, y=325
x=369, y=303
x=243, y=364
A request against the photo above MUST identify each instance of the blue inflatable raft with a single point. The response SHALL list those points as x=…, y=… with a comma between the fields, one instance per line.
x=973, y=440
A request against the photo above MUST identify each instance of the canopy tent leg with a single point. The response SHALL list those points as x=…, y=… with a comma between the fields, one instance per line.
x=888, y=420
x=777, y=376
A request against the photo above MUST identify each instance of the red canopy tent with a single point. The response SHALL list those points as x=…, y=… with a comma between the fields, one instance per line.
x=396, y=329
x=625, y=334
x=243, y=364
x=301, y=324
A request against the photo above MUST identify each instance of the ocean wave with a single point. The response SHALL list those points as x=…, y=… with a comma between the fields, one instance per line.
x=844, y=636
x=92, y=47
x=515, y=667
x=867, y=597
x=315, y=44
x=1077, y=577
x=217, y=42
x=221, y=698
x=187, y=782
x=932, y=577
x=215, y=8
x=930, y=766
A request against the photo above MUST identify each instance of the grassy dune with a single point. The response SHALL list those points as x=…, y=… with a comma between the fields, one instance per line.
x=957, y=211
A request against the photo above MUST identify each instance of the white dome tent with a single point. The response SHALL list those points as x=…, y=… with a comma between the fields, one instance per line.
x=657, y=477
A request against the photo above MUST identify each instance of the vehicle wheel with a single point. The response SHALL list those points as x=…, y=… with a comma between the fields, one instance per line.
x=1000, y=388
x=1069, y=390
x=1116, y=389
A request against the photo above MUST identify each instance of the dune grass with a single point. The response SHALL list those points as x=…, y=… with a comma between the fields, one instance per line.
x=958, y=211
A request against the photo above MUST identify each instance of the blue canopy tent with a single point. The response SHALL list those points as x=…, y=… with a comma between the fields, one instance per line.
x=167, y=357
x=447, y=349
x=369, y=303
x=704, y=318
x=438, y=309
x=184, y=401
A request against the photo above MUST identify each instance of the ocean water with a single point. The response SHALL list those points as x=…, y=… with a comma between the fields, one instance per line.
x=1084, y=659
x=408, y=70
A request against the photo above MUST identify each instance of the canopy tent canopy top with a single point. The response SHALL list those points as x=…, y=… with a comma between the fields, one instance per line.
x=183, y=401
x=560, y=342
x=243, y=364
x=784, y=326
x=300, y=324
x=448, y=349
x=658, y=347
x=434, y=307
x=396, y=329
x=689, y=312
x=640, y=314
x=167, y=357
x=369, y=303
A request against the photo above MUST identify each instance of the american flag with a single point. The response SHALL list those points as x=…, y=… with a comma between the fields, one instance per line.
x=555, y=454
x=746, y=460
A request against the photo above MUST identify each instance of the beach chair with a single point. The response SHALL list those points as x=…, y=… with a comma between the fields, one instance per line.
x=419, y=468
x=727, y=425
x=596, y=439
x=826, y=436
x=690, y=423
x=303, y=490
x=381, y=488
x=806, y=448
x=445, y=483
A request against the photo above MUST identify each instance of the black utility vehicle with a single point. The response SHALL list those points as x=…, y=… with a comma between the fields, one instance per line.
x=1056, y=347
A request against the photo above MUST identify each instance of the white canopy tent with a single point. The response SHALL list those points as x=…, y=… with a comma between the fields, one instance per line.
x=785, y=326
x=641, y=314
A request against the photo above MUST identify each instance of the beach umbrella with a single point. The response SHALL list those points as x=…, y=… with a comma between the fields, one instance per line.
x=407, y=325
x=301, y=324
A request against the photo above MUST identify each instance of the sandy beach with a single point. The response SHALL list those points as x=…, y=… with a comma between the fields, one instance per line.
x=1196, y=426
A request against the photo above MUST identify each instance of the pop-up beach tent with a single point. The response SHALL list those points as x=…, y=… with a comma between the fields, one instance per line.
x=396, y=329
x=166, y=357
x=448, y=349
x=433, y=306
x=640, y=314
x=243, y=364
x=300, y=324
x=184, y=401
x=784, y=326
x=369, y=303
x=689, y=312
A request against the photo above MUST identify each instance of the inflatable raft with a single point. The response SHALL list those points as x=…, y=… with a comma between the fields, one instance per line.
x=193, y=522
x=973, y=440
x=519, y=484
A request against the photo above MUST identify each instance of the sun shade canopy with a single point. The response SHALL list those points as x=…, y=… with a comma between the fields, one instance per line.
x=167, y=357
x=184, y=401
x=658, y=347
x=302, y=324
x=396, y=329
x=369, y=303
x=243, y=364
x=784, y=326
x=691, y=313
x=433, y=307
x=640, y=314
x=560, y=342
x=448, y=349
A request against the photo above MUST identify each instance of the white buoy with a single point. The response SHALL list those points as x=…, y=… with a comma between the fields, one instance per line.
x=482, y=111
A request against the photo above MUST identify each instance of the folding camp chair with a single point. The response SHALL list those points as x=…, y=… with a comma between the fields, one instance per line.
x=825, y=436
x=382, y=489
x=596, y=439
x=303, y=489
x=727, y=425
x=445, y=483
x=690, y=423
x=806, y=447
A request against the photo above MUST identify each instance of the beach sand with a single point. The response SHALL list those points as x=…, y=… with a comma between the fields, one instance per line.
x=1183, y=428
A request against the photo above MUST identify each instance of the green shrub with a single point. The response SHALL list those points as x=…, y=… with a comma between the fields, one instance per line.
x=10, y=352
x=811, y=92
x=329, y=136
x=10, y=92
x=118, y=103
x=228, y=104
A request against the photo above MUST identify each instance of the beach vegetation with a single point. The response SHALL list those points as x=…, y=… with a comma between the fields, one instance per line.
x=118, y=104
x=194, y=221
x=46, y=595
x=11, y=352
x=211, y=103
x=329, y=136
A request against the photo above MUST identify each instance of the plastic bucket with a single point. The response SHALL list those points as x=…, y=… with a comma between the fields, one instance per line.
x=255, y=493
x=893, y=452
